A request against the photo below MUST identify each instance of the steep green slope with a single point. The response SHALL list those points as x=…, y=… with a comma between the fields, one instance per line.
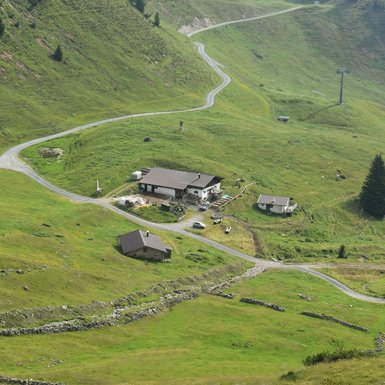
x=115, y=62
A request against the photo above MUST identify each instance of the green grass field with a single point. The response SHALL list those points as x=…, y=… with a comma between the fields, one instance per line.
x=208, y=340
x=367, y=281
x=69, y=252
x=117, y=63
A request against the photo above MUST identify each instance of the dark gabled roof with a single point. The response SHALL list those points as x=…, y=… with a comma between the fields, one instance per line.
x=139, y=239
x=175, y=179
x=273, y=200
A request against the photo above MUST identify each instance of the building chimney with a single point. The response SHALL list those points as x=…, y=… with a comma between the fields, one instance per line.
x=199, y=175
x=147, y=233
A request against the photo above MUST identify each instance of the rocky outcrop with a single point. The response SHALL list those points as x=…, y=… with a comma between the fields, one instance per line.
x=261, y=303
x=332, y=319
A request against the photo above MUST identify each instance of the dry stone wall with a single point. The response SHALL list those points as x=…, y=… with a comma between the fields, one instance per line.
x=40, y=316
x=11, y=380
x=120, y=316
x=332, y=319
x=261, y=303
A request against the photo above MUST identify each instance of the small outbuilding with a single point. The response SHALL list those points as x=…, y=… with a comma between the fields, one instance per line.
x=276, y=204
x=144, y=245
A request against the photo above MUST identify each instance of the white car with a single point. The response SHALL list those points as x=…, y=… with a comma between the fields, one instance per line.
x=198, y=225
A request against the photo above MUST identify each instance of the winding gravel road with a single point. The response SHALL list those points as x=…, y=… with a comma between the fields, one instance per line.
x=11, y=160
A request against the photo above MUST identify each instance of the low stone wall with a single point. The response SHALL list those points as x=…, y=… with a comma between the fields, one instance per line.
x=332, y=319
x=33, y=317
x=261, y=303
x=120, y=316
x=10, y=380
x=380, y=342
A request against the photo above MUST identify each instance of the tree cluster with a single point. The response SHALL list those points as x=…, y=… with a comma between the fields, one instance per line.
x=372, y=196
x=33, y=4
x=138, y=4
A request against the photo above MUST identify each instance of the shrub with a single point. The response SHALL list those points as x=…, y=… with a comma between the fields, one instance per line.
x=290, y=376
x=58, y=54
x=2, y=27
x=157, y=20
x=341, y=252
x=338, y=354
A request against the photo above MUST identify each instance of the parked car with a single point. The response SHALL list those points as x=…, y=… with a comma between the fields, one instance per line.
x=228, y=229
x=204, y=206
x=199, y=225
x=217, y=220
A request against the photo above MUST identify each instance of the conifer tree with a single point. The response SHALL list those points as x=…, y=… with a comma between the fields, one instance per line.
x=58, y=54
x=157, y=20
x=2, y=28
x=341, y=252
x=372, y=197
x=140, y=5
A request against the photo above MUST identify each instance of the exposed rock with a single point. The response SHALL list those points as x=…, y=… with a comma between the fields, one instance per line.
x=48, y=152
x=306, y=297
x=196, y=24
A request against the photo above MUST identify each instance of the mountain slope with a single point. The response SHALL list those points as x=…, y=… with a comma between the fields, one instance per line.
x=280, y=67
x=115, y=62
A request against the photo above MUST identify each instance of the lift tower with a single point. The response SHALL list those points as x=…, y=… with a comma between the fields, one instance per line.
x=342, y=71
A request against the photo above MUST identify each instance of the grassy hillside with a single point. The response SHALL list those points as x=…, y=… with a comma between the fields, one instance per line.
x=278, y=69
x=69, y=253
x=54, y=252
x=210, y=340
x=114, y=59
x=203, y=13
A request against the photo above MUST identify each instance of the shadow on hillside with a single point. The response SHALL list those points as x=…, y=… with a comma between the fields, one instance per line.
x=315, y=113
x=353, y=206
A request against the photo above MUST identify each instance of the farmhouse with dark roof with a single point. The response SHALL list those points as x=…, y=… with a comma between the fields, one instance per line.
x=174, y=183
x=144, y=245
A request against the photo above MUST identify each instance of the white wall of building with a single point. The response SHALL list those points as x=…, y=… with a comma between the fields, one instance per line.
x=165, y=191
x=203, y=194
x=274, y=209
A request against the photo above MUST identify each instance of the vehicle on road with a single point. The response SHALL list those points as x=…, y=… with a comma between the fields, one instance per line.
x=198, y=225
x=204, y=206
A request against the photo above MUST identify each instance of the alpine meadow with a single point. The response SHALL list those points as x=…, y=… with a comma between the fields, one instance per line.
x=192, y=192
